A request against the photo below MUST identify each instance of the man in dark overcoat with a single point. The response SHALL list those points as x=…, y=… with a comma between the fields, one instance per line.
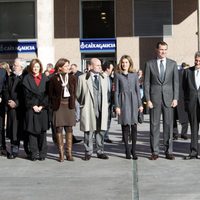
x=3, y=79
x=15, y=107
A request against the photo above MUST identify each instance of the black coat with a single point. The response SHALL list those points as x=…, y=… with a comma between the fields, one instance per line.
x=36, y=95
x=15, y=116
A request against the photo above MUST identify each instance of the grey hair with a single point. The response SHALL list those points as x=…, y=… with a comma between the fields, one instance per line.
x=197, y=54
x=22, y=61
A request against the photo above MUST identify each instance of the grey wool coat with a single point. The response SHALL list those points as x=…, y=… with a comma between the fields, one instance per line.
x=127, y=97
x=85, y=97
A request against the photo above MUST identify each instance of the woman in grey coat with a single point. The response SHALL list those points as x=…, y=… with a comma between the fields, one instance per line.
x=127, y=101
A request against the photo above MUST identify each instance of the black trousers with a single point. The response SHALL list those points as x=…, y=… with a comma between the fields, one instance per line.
x=126, y=130
x=38, y=144
x=2, y=130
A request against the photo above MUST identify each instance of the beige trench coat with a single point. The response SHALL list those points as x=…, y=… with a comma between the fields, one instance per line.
x=86, y=99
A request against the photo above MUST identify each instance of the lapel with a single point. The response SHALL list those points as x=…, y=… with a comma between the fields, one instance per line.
x=156, y=71
x=193, y=77
x=36, y=89
x=89, y=83
x=167, y=70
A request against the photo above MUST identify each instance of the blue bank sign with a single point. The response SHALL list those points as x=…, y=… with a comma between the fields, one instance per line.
x=18, y=47
x=98, y=45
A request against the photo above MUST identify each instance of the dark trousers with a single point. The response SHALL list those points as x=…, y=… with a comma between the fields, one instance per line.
x=2, y=130
x=194, y=118
x=126, y=129
x=167, y=115
x=38, y=144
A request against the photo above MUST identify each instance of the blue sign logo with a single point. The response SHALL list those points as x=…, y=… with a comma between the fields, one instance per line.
x=18, y=47
x=98, y=45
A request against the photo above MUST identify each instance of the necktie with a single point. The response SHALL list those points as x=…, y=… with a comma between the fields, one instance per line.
x=162, y=70
x=96, y=81
x=197, y=79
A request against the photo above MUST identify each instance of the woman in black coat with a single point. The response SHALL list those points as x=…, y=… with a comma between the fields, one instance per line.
x=36, y=103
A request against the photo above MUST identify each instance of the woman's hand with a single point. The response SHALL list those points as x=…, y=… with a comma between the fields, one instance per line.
x=36, y=109
x=118, y=111
x=141, y=109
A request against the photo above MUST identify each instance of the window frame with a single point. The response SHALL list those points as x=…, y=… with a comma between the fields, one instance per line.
x=35, y=25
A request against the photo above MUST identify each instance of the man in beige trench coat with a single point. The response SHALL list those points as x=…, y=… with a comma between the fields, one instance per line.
x=92, y=94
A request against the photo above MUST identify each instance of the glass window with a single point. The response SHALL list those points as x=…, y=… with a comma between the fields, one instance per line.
x=98, y=19
x=17, y=20
x=153, y=17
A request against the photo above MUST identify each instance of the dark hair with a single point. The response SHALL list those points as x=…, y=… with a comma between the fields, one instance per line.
x=106, y=65
x=32, y=63
x=61, y=62
x=161, y=43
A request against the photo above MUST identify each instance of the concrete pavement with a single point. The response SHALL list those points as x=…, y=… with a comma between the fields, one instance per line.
x=113, y=179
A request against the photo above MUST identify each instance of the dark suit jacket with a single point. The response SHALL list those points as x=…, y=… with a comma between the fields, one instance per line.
x=191, y=94
x=157, y=91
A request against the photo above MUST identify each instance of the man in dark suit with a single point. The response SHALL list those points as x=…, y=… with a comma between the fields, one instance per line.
x=3, y=78
x=180, y=113
x=191, y=84
x=161, y=85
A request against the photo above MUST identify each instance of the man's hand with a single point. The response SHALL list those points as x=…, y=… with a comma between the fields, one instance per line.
x=11, y=103
x=118, y=111
x=174, y=103
x=149, y=104
x=0, y=99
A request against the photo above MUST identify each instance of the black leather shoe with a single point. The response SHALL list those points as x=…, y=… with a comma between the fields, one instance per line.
x=11, y=156
x=108, y=141
x=41, y=159
x=75, y=141
x=170, y=157
x=3, y=152
x=134, y=157
x=87, y=157
x=128, y=156
x=102, y=156
x=190, y=157
x=185, y=137
x=153, y=157
x=33, y=159
x=175, y=137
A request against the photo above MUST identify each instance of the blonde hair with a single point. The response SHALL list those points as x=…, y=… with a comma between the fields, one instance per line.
x=5, y=66
x=131, y=69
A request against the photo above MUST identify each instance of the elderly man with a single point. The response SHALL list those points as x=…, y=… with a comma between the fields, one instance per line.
x=15, y=104
x=191, y=86
x=92, y=94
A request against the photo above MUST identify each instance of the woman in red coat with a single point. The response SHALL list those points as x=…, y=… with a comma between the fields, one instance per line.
x=62, y=89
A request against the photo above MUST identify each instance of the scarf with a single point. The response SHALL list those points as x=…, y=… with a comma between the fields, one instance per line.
x=64, y=85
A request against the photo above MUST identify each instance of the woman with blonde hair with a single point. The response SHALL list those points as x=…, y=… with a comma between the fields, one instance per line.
x=127, y=102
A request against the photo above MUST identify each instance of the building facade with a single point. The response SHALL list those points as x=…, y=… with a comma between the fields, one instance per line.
x=108, y=29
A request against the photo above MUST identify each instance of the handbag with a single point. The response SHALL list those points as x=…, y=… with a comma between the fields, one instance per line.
x=140, y=117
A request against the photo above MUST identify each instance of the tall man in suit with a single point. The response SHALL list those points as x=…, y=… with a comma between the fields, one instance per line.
x=191, y=84
x=161, y=92
x=92, y=94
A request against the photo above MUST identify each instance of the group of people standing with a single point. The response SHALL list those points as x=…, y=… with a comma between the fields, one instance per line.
x=33, y=100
